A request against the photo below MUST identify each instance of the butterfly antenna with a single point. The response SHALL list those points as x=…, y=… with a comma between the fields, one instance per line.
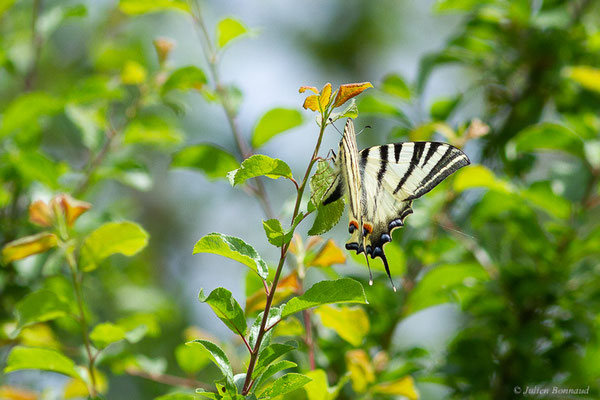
x=335, y=127
x=387, y=269
x=370, y=273
x=363, y=129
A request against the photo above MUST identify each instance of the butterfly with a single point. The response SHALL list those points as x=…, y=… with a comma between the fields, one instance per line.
x=380, y=184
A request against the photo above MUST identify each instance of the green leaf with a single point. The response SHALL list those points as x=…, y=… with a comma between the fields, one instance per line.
x=125, y=238
x=588, y=77
x=213, y=161
x=442, y=108
x=191, y=359
x=540, y=194
x=208, y=395
x=234, y=248
x=219, y=358
x=476, y=176
x=136, y=7
x=318, y=388
x=40, y=306
x=377, y=106
x=88, y=121
x=185, y=78
x=259, y=165
x=549, y=136
x=227, y=309
x=177, y=396
x=287, y=383
x=229, y=29
x=23, y=113
x=351, y=323
x=106, y=333
x=152, y=131
x=272, y=370
x=5, y=5
x=270, y=354
x=36, y=166
x=22, y=357
x=443, y=284
x=273, y=123
x=275, y=233
x=344, y=290
x=319, y=183
x=327, y=217
x=394, y=84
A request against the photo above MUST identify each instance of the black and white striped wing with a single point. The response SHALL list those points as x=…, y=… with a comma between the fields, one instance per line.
x=393, y=176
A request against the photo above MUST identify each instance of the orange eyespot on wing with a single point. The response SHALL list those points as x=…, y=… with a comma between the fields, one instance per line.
x=367, y=229
x=353, y=226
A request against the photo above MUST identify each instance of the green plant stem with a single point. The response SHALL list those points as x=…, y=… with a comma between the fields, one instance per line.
x=77, y=282
x=95, y=163
x=170, y=380
x=36, y=45
x=284, y=249
x=243, y=147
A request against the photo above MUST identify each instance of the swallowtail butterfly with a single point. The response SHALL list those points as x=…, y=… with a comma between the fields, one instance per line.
x=380, y=184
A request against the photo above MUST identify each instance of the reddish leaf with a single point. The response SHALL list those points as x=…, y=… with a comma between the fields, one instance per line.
x=40, y=213
x=348, y=91
x=70, y=207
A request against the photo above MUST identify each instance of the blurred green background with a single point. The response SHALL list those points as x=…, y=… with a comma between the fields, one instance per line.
x=499, y=266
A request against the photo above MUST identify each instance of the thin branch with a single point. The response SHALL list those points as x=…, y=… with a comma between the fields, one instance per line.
x=211, y=57
x=95, y=163
x=170, y=380
x=77, y=282
x=284, y=249
x=36, y=45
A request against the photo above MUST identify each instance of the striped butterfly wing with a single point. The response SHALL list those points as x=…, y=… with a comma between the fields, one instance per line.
x=392, y=176
x=347, y=182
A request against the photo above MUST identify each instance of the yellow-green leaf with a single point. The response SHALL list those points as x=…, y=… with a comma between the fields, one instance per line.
x=133, y=73
x=325, y=96
x=259, y=165
x=28, y=245
x=344, y=290
x=229, y=29
x=40, y=306
x=394, y=84
x=311, y=103
x=478, y=176
x=404, y=386
x=329, y=255
x=126, y=238
x=135, y=7
x=587, y=76
x=234, y=248
x=274, y=122
x=212, y=160
x=35, y=358
x=106, y=333
x=152, y=131
x=351, y=323
x=361, y=370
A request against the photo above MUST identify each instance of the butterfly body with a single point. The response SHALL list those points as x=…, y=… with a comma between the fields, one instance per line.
x=380, y=184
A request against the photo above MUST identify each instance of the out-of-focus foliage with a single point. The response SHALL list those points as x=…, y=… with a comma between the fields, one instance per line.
x=512, y=241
